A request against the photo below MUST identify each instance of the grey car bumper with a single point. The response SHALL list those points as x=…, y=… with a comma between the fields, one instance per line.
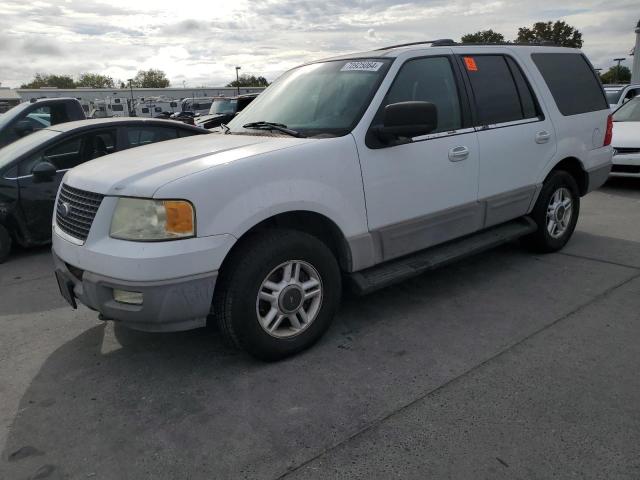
x=171, y=305
x=597, y=177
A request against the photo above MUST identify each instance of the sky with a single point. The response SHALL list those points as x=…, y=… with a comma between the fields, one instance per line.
x=199, y=43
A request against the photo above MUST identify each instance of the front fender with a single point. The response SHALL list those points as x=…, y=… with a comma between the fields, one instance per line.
x=322, y=176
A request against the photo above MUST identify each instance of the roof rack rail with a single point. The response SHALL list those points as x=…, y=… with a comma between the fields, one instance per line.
x=449, y=42
x=434, y=43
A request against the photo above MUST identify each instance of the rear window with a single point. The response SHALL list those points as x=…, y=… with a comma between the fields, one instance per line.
x=572, y=81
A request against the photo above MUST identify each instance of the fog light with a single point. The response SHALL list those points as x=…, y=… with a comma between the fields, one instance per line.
x=125, y=296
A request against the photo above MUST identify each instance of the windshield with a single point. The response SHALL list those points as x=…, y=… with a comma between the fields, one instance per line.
x=629, y=112
x=613, y=95
x=325, y=98
x=223, y=105
x=23, y=145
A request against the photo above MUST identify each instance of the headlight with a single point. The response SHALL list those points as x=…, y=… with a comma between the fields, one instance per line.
x=147, y=220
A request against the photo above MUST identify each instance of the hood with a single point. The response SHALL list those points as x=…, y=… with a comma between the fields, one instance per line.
x=626, y=135
x=139, y=172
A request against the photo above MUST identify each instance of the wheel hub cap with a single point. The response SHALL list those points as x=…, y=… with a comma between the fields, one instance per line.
x=559, y=212
x=289, y=299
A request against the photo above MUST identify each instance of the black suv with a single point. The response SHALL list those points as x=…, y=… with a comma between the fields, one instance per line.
x=32, y=168
x=30, y=117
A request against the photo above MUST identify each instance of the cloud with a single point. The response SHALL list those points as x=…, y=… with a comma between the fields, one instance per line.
x=201, y=42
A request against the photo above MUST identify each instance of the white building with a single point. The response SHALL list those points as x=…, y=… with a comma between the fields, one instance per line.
x=105, y=94
x=8, y=98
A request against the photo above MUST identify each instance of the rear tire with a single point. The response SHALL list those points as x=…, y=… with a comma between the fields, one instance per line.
x=5, y=243
x=555, y=212
x=277, y=294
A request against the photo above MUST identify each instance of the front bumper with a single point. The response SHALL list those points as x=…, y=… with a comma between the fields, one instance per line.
x=168, y=305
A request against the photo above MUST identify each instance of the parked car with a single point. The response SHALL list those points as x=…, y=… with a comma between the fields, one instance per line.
x=31, y=169
x=626, y=139
x=223, y=109
x=619, y=94
x=372, y=167
x=184, y=117
x=197, y=105
x=29, y=117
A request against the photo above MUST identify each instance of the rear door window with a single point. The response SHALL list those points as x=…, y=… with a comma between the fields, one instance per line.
x=138, y=136
x=187, y=133
x=572, y=82
x=501, y=92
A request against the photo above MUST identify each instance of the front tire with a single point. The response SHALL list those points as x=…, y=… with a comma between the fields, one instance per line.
x=555, y=212
x=5, y=243
x=277, y=294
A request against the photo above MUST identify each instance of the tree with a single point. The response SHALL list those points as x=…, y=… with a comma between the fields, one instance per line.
x=613, y=75
x=249, y=81
x=559, y=33
x=95, y=80
x=151, y=78
x=483, y=36
x=46, y=80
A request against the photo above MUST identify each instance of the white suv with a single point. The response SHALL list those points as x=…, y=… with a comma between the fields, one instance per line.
x=369, y=168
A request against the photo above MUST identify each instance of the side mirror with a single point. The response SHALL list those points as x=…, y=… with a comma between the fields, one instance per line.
x=43, y=171
x=408, y=119
x=23, y=128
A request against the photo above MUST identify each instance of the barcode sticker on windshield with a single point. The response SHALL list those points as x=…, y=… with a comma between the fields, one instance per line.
x=361, y=67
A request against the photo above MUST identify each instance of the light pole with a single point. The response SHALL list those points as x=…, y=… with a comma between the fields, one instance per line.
x=618, y=68
x=131, y=109
x=238, y=80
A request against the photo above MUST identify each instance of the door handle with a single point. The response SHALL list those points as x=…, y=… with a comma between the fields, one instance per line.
x=457, y=154
x=543, y=136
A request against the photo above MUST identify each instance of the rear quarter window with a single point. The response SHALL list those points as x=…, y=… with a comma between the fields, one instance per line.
x=572, y=82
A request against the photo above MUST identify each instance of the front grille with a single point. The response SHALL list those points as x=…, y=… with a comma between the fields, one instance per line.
x=76, y=210
x=625, y=151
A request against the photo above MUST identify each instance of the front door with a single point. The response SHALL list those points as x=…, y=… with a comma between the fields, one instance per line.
x=424, y=192
x=37, y=196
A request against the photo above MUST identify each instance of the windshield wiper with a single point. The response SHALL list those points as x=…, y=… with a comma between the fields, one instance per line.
x=226, y=128
x=281, y=127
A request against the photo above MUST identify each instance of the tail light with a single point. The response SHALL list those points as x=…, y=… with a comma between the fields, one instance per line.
x=609, y=132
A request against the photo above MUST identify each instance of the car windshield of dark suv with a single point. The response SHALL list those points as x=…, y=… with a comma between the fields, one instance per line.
x=326, y=98
x=629, y=112
x=223, y=105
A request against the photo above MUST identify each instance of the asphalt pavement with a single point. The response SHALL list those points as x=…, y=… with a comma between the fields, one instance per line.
x=508, y=365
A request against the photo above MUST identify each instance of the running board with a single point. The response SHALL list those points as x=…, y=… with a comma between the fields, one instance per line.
x=394, y=271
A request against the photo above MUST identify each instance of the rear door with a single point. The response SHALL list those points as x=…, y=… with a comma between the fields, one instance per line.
x=515, y=136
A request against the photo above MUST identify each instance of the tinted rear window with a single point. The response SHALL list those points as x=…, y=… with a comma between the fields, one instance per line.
x=572, y=81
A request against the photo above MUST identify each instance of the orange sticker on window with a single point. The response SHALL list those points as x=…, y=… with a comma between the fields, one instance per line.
x=470, y=64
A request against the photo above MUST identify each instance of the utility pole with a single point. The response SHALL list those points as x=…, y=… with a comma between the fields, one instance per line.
x=618, y=68
x=131, y=108
x=238, y=80
x=635, y=69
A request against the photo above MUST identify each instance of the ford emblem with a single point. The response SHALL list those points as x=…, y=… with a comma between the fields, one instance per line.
x=65, y=209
